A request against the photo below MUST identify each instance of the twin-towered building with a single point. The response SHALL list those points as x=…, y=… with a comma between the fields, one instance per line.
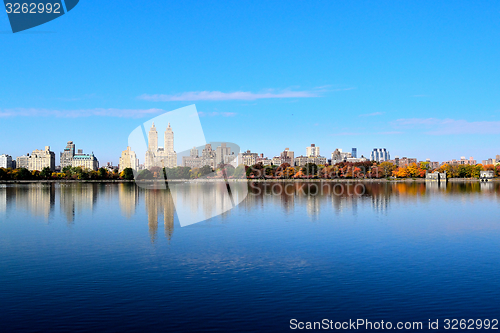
x=165, y=157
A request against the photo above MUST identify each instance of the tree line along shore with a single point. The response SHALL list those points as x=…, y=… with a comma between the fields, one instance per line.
x=344, y=170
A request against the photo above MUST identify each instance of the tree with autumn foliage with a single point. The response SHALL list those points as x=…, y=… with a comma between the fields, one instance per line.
x=386, y=169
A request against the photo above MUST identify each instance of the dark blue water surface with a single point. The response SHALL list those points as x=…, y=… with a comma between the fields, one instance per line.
x=113, y=257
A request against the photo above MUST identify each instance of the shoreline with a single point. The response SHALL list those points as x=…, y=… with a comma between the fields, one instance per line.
x=363, y=180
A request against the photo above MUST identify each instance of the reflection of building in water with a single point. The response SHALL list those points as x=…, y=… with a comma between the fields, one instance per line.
x=128, y=196
x=77, y=198
x=380, y=202
x=313, y=205
x=487, y=186
x=157, y=201
x=36, y=198
x=433, y=186
x=3, y=199
x=208, y=199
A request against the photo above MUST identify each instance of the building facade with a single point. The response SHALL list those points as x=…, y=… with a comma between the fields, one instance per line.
x=339, y=156
x=6, y=161
x=404, y=162
x=85, y=161
x=66, y=157
x=128, y=160
x=165, y=157
x=462, y=161
x=70, y=158
x=22, y=162
x=247, y=158
x=38, y=160
x=380, y=155
x=312, y=150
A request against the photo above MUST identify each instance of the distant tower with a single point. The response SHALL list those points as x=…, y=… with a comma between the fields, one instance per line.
x=354, y=152
x=169, y=140
x=153, y=139
x=66, y=157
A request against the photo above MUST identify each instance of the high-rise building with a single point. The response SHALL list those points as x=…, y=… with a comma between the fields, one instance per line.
x=312, y=151
x=66, y=157
x=339, y=156
x=247, y=158
x=22, y=162
x=193, y=152
x=5, y=161
x=380, y=155
x=85, y=161
x=153, y=139
x=404, y=161
x=128, y=160
x=287, y=156
x=221, y=154
x=38, y=160
x=169, y=140
x=462, y=161
x=354, y=153
x=69, y=158
x=165, y=157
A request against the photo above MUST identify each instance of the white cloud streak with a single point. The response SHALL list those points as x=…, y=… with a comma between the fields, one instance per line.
x=223, y=96
x=372, y=114
x=214, y=114
x=102, y=112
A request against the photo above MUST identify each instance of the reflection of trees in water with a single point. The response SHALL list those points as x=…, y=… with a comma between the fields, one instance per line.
x=344, y=195
x=74, y=198
x=199, y=201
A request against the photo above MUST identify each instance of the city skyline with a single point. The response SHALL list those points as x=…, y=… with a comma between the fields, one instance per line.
x=167, y=157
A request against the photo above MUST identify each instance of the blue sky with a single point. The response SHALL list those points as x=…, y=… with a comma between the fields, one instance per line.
x=420, y=79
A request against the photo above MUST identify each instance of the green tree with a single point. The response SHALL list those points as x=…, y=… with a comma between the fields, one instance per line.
x=386, y=169
x=239, y=172
x=128, y=174
x=46, y=173
x=310, y=169
x=102, y=173
x=205, y=170
x=145, y=174
x=424, y=165
x=23, y=173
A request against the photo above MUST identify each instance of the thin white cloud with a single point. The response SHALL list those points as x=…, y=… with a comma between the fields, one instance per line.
x=347, y=133
x=365, y=133
x=436, y=126
x=390, y=133
x=223, y=96
x=110, y=112
x=214, y=114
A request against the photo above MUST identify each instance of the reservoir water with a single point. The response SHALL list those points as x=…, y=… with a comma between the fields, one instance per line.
x=113, y=257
